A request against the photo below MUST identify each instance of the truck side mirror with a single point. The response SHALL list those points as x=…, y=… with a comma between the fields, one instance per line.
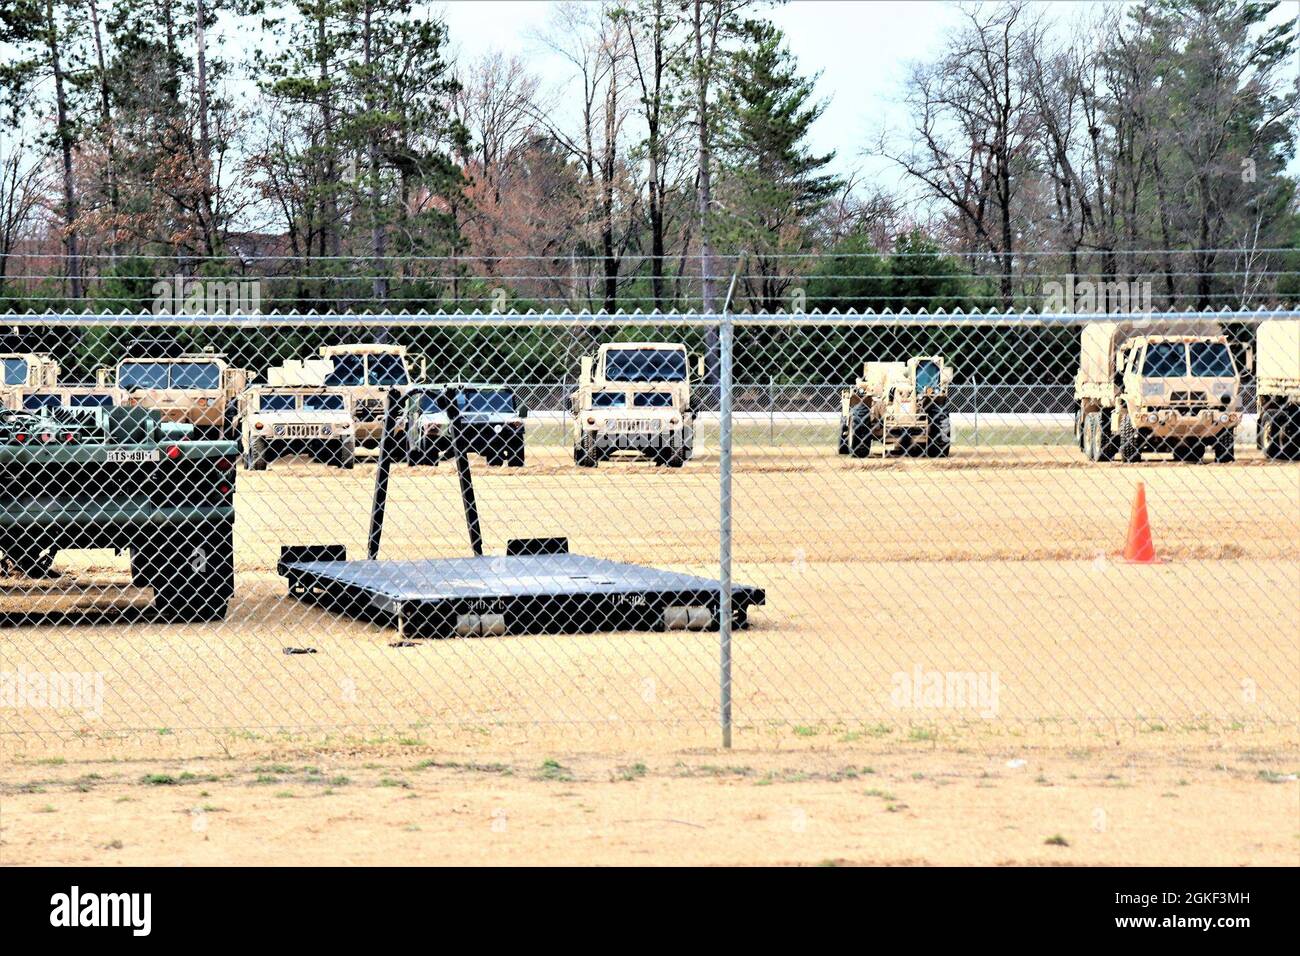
x=697, y=361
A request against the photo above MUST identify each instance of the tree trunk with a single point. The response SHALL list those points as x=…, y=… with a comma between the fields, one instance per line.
x=64, y=132
x=378, y=235
x=106, y=127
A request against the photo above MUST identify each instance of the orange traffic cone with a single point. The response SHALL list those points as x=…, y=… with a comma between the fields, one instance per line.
x=1139, y=549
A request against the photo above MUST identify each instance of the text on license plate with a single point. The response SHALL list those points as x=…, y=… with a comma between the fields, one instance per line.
x=124, y=455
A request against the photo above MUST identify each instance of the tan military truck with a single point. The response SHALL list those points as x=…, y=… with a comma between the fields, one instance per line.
x=67, y=396
x=1156, y=386
x=197, y=388
x=1277, y=388
x=25, y=372
x=900, y=405
x=279, y=420
x=635, y=398
x=366, y=371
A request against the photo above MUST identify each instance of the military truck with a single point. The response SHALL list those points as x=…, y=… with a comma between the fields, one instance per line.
x=1156, y=386
x=25, y=372
x=1277, y=381
x=635, y=397
x=279, y=420
x=197, y=388
x=67, y=396
x=491, y=424
x=121, y=478
x=367, y=371
x=899, y=405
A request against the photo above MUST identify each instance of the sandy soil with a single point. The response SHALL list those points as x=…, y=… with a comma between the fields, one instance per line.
x=948, y=616
x=837, y=804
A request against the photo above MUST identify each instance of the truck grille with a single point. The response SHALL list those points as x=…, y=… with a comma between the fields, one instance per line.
x=369, y=409
x=1187, y=398
x=300, y=431
x=634, y=425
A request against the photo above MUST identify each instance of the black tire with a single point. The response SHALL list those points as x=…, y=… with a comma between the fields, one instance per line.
x=859, y=439
x=843, y=448
x=345, y=455
x=1271, y=436
x=517, y=455
x=1225, y=451
x=258, y=455
x=29, y=561
x=1092, y=436
x=675, y=458
x=1130, y=443
x=195, y=574
x=584, y=454
x=938, y=439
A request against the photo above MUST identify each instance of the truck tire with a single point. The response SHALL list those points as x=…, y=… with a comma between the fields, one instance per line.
x=195, y=574
x=938, y=439
x=1091, y=437
x=1108, y=445
x=1130, y=443
x=517, y=455
x=257, y=454
x=859, y=440
x=1272, y=437
x=843, y=448
x=584, y=453
x=1225, y=451
x=345, y=456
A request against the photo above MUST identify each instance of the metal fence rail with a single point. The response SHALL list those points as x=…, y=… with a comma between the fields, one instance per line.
x=900, y=591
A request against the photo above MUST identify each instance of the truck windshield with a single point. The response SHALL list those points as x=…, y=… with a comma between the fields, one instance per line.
x=348, y=370
x=653, y=399
x=142, y=375
x=487, y=402
x=15, y=371
x=203, y=375
x=323, y=403
x=91, y=401
x=40, y=400
x=645, y=365
x=608, y=400
x=278, y=403
x=388, y=370
x=1211, y=360
x=1165, y=360
x=927, y=376
x=429, y=404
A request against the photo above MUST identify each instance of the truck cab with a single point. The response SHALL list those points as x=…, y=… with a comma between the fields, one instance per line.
x=197, y=389
x=23, y=373
x=635, y=398
x=278, y=420
x=367, y=372
x=490, y=421
x=124, y=479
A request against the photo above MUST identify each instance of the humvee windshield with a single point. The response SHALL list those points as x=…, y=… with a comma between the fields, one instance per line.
x=1211, y=360
x=1165, y=360
x=388, y=370
x=91, y=401
x=196, y=375
x=653, y=399
x=348, y=370
x=487, y=402
x=15, y=371
x=645, y=365
x=278, y=403
x=40, y=400
x=927, y=376
x=608, y=400
x=323, y=403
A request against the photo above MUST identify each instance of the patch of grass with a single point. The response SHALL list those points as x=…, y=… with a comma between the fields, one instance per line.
x=46, y=808
x=286, y=794
x=158, y=780
x=633, y=772
x=339, y=781
x=922, y=734
x=1056, y=840
x=265, y=778
x=806, y=731
x=553, y=770
x=274, y=768
x=882, y=794
x=394, y=782
x=1272, y=776
x=113, y=845
x=51, y=761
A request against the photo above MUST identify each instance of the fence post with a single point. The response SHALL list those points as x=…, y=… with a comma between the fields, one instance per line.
x=725, y=336
x=771, y=410
x=975, y=404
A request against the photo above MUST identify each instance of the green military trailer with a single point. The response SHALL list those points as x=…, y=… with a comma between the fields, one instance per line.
x=123, y=479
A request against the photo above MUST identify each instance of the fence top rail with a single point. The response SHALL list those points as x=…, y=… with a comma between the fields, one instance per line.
x=578, y=319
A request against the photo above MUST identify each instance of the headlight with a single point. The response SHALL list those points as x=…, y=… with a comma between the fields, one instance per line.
x=1151, y=419
x=279, y=429
x=496, y=429
x=328, y=430
x=1223, y=418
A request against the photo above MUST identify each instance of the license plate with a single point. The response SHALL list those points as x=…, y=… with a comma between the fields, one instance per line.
x=120, y=456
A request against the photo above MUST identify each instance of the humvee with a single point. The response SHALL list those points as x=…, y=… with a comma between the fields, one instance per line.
x=25, y=372
x=196, y=389
x=635, y=397
x=121, y=478
x=276, y=420
x=898, y=404
x=1156, y=386
x=491, y=424
x=1277, y=381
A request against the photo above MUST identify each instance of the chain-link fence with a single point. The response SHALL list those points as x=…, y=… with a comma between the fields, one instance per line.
x=923, y=519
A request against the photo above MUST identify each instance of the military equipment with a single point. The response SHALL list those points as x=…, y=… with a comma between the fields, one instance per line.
x=278, y=420
x=491, y=424
x=1156, y=386
x=197, y=388
x=23, y=373
x=635, y=397
x=121, y=478
x=1277, y=387
x=898, y=405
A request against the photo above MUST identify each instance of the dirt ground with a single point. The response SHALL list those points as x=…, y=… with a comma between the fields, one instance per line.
x=929, y=620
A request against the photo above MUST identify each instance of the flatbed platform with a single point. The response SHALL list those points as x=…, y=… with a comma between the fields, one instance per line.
x=514, y=594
